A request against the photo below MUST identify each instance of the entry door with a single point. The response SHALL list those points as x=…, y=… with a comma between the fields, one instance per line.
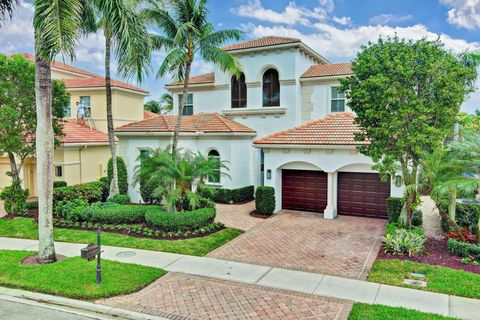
x=304, y=190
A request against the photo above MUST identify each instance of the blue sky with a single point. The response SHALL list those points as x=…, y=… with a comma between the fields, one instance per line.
x=335, y=28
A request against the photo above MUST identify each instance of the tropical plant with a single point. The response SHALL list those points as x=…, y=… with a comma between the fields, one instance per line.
x=152, y=106
x=174, y=177
x=166, y=102
x=404, y=242
x=186, y=32
x=406, y=95
x=126, y=35
x=56, y=30
x=6, y=7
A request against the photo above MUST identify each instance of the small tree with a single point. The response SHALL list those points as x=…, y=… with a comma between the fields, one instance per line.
x=122, y=174
x=406, y=95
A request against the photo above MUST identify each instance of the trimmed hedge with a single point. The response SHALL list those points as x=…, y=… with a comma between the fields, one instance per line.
x=120, y=199
x=179, y=221
x=265, y=200
x=59, y=184
x=466, y=214
x=394, y=208
x=238, y=195
x=109, y=212
x=463, y=249
x=122, y=174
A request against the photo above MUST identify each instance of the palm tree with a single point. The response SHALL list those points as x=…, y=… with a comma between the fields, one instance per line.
x=153, y=106
x=6, y=7
x=166, y=102
x=125, y=34
x=56, y=24
x=185, y=33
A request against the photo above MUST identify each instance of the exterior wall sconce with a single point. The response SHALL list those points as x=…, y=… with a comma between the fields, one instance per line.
x=269, y=174
x=398, y=181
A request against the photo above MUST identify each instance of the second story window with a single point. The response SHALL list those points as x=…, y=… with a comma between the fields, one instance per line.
x=271, y=88
x=86, y=101
x=188, y=109
x=337, y=100
x=239, y=92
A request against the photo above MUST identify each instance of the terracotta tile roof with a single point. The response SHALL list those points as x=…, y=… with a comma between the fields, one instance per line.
x=149, y=115
x=262, y=42
x=328, y=70
x=202, y=122
x=200, y=79
x=76, y=133
x=63, y=66
x=98, y=82
x=335, y=129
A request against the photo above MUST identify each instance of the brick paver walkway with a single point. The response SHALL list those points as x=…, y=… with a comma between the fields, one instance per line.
x=238, y=215
x=180, y=296
x=345, y=246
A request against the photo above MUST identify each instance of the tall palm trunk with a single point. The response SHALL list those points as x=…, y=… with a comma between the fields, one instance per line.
x=181, y=107
x=111, y=134
x=44, y=137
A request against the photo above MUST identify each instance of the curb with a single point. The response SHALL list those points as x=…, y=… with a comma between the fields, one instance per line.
x=78, y=307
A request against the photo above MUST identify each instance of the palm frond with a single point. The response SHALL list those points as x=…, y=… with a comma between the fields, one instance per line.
x=222, y=59
x=6, y=8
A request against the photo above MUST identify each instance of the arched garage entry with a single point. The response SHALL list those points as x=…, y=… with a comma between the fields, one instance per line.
x=304, y=187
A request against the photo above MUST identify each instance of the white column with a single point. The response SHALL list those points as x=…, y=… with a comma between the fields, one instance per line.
x=331, y=209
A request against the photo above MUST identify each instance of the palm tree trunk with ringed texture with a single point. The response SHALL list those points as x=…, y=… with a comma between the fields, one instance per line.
x=181, y=107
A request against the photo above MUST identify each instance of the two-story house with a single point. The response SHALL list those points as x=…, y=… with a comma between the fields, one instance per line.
x=84, y=151
x=281, y=123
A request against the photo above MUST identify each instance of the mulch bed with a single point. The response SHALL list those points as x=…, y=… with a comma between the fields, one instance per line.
x=436, y=253
x=34, y=261
x=258, y=215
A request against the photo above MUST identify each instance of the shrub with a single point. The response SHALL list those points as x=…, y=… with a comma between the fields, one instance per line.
x=59, y=184
x=466, y=215
x=147, y=190
x=179, y=221
x=120, y=199
x=223, y=196
x=104, y=186
x=417, y=218
x=15, y=199
x=393, y=227
x=122, y=174
x=90, y=192
x=65, y=208
x=394, y=208
x=109, y=212
x=229, y=195
x=463, y=249
x=465, y=233
x=265, y=200
x=243, y=194
x=404, y=242
x=32, y=205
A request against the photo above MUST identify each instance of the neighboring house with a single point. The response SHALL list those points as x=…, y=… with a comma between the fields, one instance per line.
x=281, y=123
x=84, y=150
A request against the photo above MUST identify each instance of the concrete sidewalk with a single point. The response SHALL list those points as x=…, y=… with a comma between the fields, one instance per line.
x=304, y=282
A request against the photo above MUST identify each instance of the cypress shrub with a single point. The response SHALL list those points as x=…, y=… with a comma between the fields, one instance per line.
x=122, y=174
x=394, y=208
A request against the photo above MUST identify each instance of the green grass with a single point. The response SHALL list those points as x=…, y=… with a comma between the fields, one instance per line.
x=362, y=311
x=74, y=277
x=27, y=228
x=439, y=279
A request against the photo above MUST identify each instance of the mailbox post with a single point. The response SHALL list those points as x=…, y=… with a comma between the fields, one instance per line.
x=90, y=252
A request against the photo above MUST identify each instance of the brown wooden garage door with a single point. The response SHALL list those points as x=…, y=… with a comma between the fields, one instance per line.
x=362, y=194
x=304, y=190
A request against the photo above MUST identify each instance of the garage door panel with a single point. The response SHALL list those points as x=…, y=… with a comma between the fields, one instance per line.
x=362, y=194
x=304, y=190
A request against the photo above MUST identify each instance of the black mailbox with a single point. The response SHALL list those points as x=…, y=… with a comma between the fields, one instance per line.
x=90, y=252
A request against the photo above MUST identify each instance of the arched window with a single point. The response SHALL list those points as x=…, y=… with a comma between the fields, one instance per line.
x=214, y=176
x=271, y=88
x=239, y=92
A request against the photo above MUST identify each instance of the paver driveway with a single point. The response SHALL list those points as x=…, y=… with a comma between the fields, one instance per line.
x=345, y=246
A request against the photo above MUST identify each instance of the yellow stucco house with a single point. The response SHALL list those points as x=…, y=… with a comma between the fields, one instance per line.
x=84, y=151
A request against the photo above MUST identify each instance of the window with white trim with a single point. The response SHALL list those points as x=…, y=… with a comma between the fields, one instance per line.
x=214, y=156
x=188, y=109
x=337, y=100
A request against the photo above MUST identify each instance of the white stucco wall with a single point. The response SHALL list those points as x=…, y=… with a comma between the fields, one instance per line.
x=328, y=160
x=236, y=151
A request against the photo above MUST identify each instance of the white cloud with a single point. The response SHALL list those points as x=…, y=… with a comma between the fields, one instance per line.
x=463, y=13
x=343, y=21
x=291, y=15
x=17, y=33
x=388, y=18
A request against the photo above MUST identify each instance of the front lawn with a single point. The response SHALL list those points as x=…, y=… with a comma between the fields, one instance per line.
x=439, y=279
x=74, y=277
x=27, y=228
x=362, y=311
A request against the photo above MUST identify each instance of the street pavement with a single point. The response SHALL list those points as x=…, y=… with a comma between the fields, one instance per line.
x=14, y=310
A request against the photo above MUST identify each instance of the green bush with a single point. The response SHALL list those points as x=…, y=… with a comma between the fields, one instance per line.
x=243, y=194
x=147, y=190
x=265, y=200
x=122, y=174
x=393, y=227
x=463, y=249
x=32, y=205
x=394, y=208
x=65, y=208
x=109, y=212
x=417, y=218
x=90, y=192
x=404, y=242
x=179, y=221
x=59, y=184
x=221, y=195
x=120, y=199
x=15, y=199
x=466, y=215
